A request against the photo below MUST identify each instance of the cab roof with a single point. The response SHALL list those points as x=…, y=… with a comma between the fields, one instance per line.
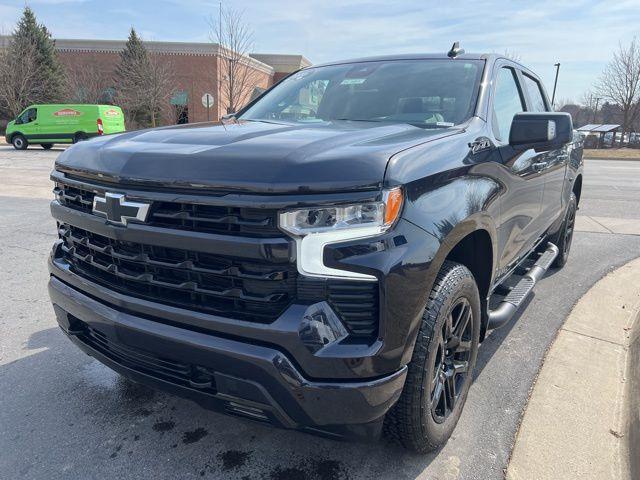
x=416, y=56
x=411, y=56
x=490, y=58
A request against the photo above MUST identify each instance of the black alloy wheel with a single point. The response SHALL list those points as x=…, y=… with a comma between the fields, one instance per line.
x=451, y=364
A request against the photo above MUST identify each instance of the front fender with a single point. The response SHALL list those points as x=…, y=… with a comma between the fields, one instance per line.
x=9, y=135
x=454, y=209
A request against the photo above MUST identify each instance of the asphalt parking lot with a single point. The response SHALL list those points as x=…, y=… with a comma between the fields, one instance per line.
x=64, y=415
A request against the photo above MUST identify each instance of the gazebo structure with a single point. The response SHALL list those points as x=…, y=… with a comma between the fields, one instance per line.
x=597, y=133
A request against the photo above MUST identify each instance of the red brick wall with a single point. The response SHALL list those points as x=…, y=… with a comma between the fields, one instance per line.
x=196, y=74
x=260, y=78
x=279, y=76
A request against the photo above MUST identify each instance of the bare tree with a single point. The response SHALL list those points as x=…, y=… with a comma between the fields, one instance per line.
x=237, y=76
x=19, y=83
x=620, y=83
x=590, y=102
x=160, y=84
x=88, y=84
x=564, y=102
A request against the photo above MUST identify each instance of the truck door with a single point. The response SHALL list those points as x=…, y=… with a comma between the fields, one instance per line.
x=553, y=163
x=520, y=207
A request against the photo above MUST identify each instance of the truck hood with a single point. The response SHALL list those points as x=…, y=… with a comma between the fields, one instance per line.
x=257, y=157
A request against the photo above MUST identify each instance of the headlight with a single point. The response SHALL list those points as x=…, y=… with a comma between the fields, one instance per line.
x=314, y=228
x=363, y=215
x=317, y=220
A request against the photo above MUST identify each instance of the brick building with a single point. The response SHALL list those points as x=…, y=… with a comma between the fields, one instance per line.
x=195, y=68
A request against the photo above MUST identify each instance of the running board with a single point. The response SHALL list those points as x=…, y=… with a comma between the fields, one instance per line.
x=522, y=290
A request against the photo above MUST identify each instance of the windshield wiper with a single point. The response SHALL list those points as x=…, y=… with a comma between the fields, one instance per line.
x=357, y=120
x=390, y=120
x=430, y=125
x=260, y=120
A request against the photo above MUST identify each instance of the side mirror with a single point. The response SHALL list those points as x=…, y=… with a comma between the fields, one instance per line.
x=541, y=130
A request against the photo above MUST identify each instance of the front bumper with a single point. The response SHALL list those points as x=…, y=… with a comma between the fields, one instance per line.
x=220, y=372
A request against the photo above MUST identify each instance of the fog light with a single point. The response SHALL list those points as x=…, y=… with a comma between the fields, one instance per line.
x=320, y=327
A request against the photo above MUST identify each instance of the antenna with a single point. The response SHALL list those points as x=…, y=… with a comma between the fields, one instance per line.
x=455, y=50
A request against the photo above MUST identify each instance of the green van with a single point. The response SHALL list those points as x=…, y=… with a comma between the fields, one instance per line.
x=49, y=124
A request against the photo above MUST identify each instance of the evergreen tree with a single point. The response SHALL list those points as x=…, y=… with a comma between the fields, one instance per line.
x=29, y=33
x=130, y=79
x=133, y=55
x=143, y=83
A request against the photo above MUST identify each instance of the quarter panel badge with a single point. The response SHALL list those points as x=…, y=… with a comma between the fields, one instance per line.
x=117, y=209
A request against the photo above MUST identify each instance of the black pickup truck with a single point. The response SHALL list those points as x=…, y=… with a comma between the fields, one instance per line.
x=330, y=257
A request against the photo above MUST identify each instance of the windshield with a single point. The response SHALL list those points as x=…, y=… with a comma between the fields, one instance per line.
x=426, y=93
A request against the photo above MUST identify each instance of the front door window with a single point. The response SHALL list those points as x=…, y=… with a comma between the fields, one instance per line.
x=506, y=104
x=28, y=116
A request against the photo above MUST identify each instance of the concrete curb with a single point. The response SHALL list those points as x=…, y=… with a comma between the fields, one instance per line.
x=583, y=417
x=633, y=396
x=617, y=159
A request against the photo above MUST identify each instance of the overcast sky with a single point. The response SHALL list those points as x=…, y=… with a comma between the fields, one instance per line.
x=579, y=34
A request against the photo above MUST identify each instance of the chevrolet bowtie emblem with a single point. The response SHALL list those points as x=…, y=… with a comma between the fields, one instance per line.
x=117, y=209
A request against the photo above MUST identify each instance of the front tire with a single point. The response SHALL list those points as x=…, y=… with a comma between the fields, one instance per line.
x=441, y=369
x=19, y=142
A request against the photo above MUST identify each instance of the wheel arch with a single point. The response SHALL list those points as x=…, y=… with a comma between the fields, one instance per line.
x=13, y=134
x=473, y=243
x=577, y=188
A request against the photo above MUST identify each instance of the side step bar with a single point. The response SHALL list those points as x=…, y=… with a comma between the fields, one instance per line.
x=522, y=290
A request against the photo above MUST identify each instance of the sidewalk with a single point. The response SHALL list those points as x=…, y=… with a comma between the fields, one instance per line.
x=582, y=418
x=624, y=226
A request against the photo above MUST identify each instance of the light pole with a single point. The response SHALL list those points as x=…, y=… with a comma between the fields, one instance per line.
x=555, y=84
x=595, y=111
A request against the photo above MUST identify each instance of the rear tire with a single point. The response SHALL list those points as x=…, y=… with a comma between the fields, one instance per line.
x=19, y=142
x=564, y=237
x=47, y=146
x=441, y=369
x=79, y=137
